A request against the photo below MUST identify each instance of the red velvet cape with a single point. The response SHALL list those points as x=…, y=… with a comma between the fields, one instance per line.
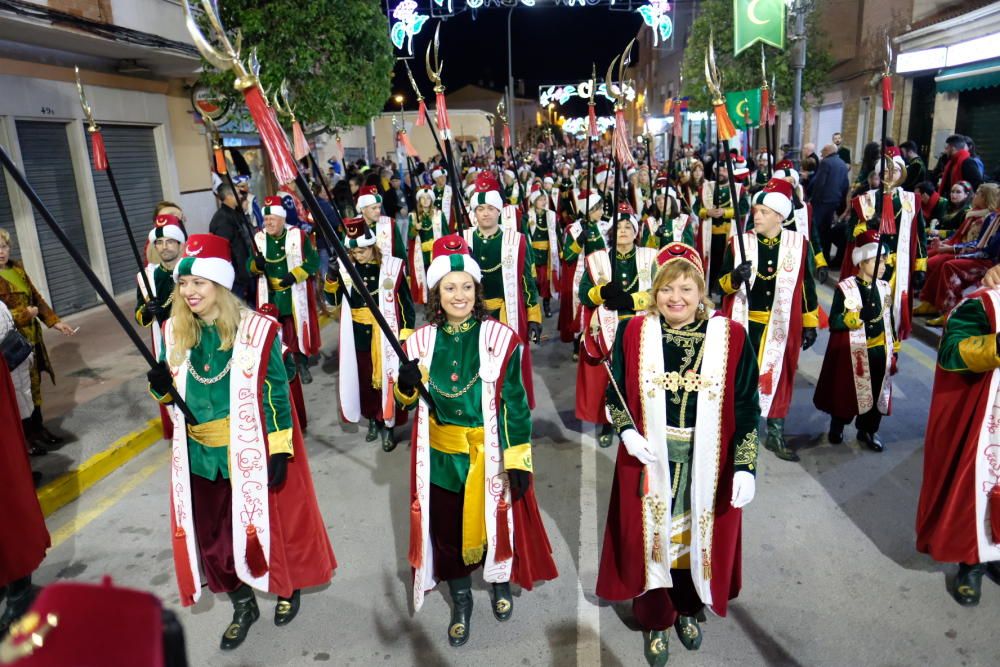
x=23, y=537
x=946, y=512
x=532, y=550
x=569, y=324
x=622, y=573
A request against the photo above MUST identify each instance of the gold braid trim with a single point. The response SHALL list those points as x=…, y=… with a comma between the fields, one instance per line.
x=746, y=451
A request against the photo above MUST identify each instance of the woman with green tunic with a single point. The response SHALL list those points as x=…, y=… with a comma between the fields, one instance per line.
x=684, y=401
x=472, y=502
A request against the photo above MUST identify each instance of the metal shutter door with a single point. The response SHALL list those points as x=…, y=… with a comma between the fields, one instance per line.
x=47, y=164
x=979, y=117
x=132, y=155
x=7, y=216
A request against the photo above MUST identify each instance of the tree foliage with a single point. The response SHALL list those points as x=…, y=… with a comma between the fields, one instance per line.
x=334, y=54
x=743, y=71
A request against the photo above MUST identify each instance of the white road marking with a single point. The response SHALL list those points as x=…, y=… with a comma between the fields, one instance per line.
x=588, y=614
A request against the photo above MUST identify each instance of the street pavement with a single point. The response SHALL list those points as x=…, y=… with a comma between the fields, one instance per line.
x=830, y=574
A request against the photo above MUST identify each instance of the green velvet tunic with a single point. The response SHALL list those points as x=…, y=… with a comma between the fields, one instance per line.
x=892, y=240
x=722, y=198
x=969, y=343
x=648, y=239
x=209, y=402
x=761, y=297
x=591, y=240
x=627, y=275
x=422, y=231
x=684, y=350
x=537, y=236
x=457, y=393
x=488, y=253
x=163, y=283
x=277, y=268
x=369, y=271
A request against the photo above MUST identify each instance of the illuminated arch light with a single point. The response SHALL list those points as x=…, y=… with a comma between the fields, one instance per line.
x=657, y=16
x=578, y=126
x=408, y=23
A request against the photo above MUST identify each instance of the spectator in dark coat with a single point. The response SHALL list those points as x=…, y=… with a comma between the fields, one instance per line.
x=916, y=170
x=827, y=193
x=228, y=222
x=960, y=165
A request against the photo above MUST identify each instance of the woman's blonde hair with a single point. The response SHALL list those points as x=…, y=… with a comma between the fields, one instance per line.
x=673, y=270
x=187, y=330
x=5, y=237
x=990, y=192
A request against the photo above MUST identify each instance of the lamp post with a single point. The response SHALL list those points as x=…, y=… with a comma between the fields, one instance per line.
x=399, y=99
x=798, y=9
x=510, y=80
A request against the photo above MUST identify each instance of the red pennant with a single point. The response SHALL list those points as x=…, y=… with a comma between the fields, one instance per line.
x=220, y=160
x=724, y=124
x=677, y=130
x=887, y=93
x=421, y=114
x=765, y=98
x=100, y=154
x=592, y=116
x=299, y=143
x=620, y=141
x=407, y=146
x=887, y=225
x=271, y=135
x=772, y=114
x=444, y=126
x=506, y=138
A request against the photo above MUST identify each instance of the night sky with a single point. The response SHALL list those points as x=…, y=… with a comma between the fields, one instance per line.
x=551, y=45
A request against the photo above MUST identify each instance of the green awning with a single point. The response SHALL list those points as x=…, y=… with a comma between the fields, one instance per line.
x=985, y=74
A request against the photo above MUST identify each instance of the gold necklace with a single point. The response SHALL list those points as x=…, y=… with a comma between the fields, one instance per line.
x=457, y=394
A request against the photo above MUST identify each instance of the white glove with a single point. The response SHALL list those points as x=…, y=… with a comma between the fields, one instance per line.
x=637, y=446
x=744, y=488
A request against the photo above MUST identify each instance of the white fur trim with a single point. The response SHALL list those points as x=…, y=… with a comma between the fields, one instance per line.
x=215, y=269
x=441, y=266
x=777, y=202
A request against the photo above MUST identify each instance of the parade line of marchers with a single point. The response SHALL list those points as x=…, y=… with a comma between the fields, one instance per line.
x=632, y=251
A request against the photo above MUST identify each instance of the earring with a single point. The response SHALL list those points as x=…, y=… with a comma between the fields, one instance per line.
x=701, y=308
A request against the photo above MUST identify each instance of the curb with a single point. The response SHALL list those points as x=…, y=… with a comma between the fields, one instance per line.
x=70, y=485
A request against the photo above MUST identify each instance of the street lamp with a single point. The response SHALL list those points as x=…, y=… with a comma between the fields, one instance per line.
x=399, y=99
x=798, y=9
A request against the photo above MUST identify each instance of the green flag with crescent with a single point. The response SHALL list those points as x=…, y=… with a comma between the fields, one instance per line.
x=743, y=103
x=758, y=21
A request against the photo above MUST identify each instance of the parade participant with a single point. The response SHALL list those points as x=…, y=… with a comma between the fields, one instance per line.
x=539, y=224
x=250, y=204
x=691, y=187
x=442, y=194
x=958, y=516
x=387, y=237
x=771, y=293
x=166, y=240
x=284, y=264
x=511, y=191
x=664, y=222
x=638, y=192
x=855, y=380
x=684, y=401
x=715, y=209
x=906, y=263
x=270, y=536
x=507, y=262
x=801, y=218
x=366, y=376
x=427, y=224
x=472, y=496
x=582, y=237
x=760, y=176
x=932, y=205
x=609, y=293
x=24, y=538
x=551, y=193
x=567, y=195
x=27, y=306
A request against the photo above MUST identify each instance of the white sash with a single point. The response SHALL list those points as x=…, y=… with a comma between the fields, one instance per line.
x=901, y=276
x=604, y=322
x=446, y=203
x=859, y=351
x=802, y=225
x=679, y=224
x=508, y=217
x=156, y=328
x=294, y=238
x=383, y=235
x=247, y=450
x=704, y=456
x=553, y=260
x=772, y=358
x=509, y=270
x=389, y=273
x=652, y=224
x=987, y=475
x=494, y=340
x=347, y=381
x=419, y=270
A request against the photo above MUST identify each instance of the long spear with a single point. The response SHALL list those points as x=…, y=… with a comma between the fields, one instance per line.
x=102, y=163
x=284, y=166
x=765, y=107
x=591, y=137
x=109, y=301
x=725, y=131
x=222, y=169
x=883, y=204
x=444, y=125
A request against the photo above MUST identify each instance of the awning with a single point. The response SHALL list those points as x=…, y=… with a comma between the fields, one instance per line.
x=985, y=74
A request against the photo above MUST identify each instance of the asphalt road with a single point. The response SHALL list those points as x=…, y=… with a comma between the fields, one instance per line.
x=830, y=574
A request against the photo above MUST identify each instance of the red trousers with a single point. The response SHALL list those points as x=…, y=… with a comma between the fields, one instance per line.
x=658, y=609
x=543, y=280
x=371, y=398
x=947, y=278
x=446, y=534
x=213, y=526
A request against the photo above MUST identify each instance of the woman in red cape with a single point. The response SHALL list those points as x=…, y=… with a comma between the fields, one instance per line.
x=687, y=461
x=23, y=537
x=958, y=517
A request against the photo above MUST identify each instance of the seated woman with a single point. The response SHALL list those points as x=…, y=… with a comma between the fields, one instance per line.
x=961, y=260
x=688, y=448
x=932, y=204
x=959, y=201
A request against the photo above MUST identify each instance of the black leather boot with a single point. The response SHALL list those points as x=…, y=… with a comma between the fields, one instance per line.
x=286, y=609
x=775, y=440
x=871, y=441
x=372, y=431
x=388, y=440
x=547, y=307
x=836, y=434
x=302, y=365
x=503, y=602
x=19, y=595
x=655, y=647
x=461, y=610
x=969, y=584
x=245, y=614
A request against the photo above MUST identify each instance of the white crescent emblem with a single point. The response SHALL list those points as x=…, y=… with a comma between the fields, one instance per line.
x=193, y=252
x=752, y=15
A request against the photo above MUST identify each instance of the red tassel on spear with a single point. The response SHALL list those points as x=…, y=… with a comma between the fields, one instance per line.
x=98, y=151
x=421, y=113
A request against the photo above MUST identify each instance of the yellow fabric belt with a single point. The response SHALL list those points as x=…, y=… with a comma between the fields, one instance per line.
x=427, y=246
x=759, y=316
x=877, y=341
x=451, y=439
x=497, y=304
x=211, y=434
x=540, y=245
x=364, y=315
